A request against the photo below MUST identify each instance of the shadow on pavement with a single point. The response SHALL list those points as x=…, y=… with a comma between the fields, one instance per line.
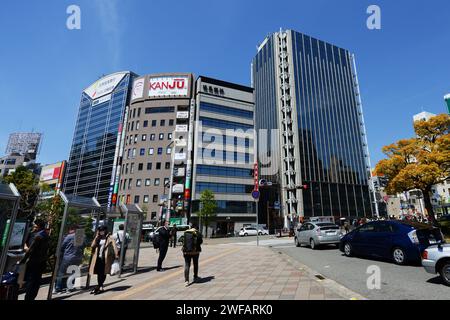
x=205, y=279
x=121, y=288
x=436, y=280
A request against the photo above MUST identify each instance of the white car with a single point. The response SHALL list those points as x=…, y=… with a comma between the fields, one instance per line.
x=263, y=231
x=248, y=231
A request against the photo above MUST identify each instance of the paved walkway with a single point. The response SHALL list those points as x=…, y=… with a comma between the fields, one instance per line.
x=231, y=271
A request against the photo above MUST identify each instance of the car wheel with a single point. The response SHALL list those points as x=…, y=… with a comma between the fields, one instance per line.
x=348, y=250
x=245, y=234
x=444, y=271
x=260, y=233
x=399, y=256
x=312, y=243
x=297, y=243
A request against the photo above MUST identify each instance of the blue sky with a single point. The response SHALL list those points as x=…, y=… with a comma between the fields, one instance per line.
x=403, y=68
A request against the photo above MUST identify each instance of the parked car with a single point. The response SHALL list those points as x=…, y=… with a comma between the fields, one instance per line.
x=248, y=231
x=436, y=259
x=401, y=241
x=317, y=233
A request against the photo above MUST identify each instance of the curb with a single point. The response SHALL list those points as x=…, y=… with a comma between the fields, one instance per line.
x=332, y=285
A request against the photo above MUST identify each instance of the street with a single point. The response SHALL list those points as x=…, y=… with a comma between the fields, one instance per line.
x=397, y=282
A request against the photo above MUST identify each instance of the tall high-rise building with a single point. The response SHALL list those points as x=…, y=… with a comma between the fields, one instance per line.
x=224, y=152
x=312, y=143
x=95, y=156
x=156, y=156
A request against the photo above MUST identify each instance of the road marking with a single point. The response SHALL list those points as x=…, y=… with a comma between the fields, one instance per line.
x=147, y=285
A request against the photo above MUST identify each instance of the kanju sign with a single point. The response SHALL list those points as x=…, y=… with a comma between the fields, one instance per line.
x=256, y=176
x=168, y=86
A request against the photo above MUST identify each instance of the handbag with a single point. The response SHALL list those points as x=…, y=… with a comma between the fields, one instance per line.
x=115, y=268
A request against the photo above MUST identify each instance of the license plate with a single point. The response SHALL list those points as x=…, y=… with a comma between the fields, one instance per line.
x=432, y=241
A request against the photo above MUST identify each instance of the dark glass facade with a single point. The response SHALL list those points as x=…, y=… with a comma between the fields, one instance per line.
x=93, y=154
x=332, y=162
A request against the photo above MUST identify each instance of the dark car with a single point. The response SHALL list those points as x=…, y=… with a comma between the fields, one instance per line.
x=401, y=241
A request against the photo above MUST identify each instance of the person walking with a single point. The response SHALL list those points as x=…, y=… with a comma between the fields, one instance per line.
x=191, y=251
x=173, y=236
x=104, y=254
x=163, y=235
x=346, y=227
x=72, y=254
x=122, y=240
x=35, y=259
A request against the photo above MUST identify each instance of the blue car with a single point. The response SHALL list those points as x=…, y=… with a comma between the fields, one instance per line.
x=401, y=241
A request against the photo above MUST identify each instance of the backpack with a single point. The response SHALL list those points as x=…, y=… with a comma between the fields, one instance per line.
x=155, y=239
x=190, y=241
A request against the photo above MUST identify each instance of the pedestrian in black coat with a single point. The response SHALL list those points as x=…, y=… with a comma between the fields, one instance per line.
x=164, y=236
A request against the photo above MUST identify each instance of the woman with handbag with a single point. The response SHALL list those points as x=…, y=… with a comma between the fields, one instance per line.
x=104, y=254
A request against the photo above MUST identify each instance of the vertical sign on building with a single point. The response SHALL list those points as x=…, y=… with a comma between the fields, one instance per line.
x=447, y=100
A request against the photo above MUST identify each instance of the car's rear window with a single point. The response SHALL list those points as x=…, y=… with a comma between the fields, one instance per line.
x=327, y=226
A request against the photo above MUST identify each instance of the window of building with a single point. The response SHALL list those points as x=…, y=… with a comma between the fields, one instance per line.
x=144, y=137
x=124, y=184
x=136, y=199
x=162, y=123
x=156, y=182
x=160, y=150
x=145, y=123
x=132, y=125
x=153, y=215
x=133, y=155
x=149, y=166
x=138, y=182
x=152, y=137
x=129, y=183
x=142, y=152
x=128, y=153
x=140, y=166
x=159, y=110
x=171, y=122
x=126, y=169
x=147, y=182
x=134, y=113
x=136, y=137
x=168, y=150
x=155, y=198
x=151, y=151
x=158, y=165
x=139, y=112
x=145, y=199
x=137, y=125
x=161, y=136
x=167, y=166
x=153, y=123
x=169, y=136
x=132, y=168
x=166, y=181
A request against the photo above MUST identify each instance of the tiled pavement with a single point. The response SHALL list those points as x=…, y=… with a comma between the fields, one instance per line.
x=232, y=271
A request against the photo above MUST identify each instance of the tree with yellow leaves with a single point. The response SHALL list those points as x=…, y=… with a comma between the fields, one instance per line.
x=420, y=162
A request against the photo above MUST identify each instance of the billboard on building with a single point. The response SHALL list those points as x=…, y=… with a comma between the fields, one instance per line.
x=168, y=86
x=105, y=85
x=138, y=89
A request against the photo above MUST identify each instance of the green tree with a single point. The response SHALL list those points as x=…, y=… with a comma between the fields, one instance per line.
x=208, y=208
x=27, y=184
x=420, y=162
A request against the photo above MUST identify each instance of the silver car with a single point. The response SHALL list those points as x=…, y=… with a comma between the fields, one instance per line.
x=317, y=233
x=436, y=259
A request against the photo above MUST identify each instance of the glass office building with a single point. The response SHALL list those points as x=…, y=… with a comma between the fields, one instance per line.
x=315, y=150
x=224, y=153
x=97, y=142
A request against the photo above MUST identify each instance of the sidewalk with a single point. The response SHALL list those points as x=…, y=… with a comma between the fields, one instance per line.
x=228, y=271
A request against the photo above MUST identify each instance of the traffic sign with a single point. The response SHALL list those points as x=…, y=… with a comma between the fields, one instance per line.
x=255, y=194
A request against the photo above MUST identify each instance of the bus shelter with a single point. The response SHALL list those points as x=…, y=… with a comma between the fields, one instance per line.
x=10, y=233
x=79, y=222
x=131, y=217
